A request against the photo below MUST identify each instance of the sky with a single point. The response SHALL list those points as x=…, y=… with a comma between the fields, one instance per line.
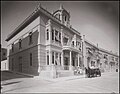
x=98, y=21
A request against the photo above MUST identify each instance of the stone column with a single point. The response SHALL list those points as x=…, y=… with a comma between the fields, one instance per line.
x=50, y=57
x=70, y=66
x=84, y=53
x=59, y=58
x=50, y=38
x=54, y=34
x=78, y=60
x=62, y=61
x=62, y=36
x=54, y=58
x=53, y=69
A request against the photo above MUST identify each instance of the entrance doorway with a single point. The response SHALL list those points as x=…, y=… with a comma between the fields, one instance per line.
x=66, y=62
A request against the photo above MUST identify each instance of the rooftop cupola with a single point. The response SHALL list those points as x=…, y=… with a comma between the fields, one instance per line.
x=63, y=15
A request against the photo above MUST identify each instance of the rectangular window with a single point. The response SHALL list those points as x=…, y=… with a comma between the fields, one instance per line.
x=13, y=47
x=52, y=34
x=47, y=35
x=59, y=37
x=47, y=58
x=56, y=58
x=80, y=44
x=30, y=59
x=30, y=38
x=56, y=55
x=73, y=43
x=56, y=36
x=52, y=57
x=65, y=18
x=60, y=58
x=20, y=41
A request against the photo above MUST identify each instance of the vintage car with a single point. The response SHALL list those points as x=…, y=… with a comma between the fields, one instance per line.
x=93, y=72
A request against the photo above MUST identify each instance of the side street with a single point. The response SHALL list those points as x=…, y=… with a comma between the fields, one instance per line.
x=107, y=83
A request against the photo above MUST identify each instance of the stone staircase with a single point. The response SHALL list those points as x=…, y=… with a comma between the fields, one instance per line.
x=64, y=73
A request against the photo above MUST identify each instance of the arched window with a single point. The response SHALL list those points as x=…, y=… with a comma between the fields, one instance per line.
x=65, y=18
x=47, y=35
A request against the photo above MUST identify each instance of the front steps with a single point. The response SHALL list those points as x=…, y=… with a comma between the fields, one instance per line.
x=65, y=73
x=56, y=74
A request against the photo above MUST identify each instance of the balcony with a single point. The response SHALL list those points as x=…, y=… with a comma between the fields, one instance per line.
x=71, y=47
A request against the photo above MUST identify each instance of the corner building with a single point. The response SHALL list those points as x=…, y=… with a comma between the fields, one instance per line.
x=45, y=43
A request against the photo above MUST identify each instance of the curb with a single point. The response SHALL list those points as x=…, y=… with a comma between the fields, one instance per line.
x=29, y=75
x=63, y=78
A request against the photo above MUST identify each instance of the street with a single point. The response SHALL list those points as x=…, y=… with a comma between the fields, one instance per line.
x=107, y=83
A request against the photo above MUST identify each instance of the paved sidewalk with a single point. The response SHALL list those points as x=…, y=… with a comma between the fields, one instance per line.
x=68, y=77
x=62, y=78
x=108, y=82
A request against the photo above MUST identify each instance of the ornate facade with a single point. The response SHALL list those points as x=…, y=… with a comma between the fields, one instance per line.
x=45, y=44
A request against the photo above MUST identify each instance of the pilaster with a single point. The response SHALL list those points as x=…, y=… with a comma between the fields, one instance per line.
x=78, y=60
x=70, y=66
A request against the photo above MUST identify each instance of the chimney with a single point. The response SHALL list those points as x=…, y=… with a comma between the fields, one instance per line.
x=83, y=36
x=39, y=5
x=97, y=44
x=61, y=6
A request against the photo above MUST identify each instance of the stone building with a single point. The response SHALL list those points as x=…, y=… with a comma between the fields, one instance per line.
x=99, y=57
x=109, y=60
x=45, y=44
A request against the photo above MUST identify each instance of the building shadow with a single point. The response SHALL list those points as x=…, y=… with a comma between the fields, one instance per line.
x=7, y=75
x=24, y=59
x=9, y=83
